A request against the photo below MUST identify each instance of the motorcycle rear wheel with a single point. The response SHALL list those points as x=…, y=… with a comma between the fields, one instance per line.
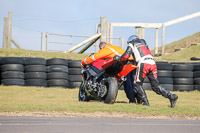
x=82, y=95
x=112, y=86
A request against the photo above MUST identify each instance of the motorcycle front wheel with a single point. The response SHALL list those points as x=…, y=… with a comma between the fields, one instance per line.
x=82, y=95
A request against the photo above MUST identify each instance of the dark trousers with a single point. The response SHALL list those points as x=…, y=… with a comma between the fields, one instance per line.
x=129, y=86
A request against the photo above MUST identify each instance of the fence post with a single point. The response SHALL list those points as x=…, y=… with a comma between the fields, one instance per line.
x=110, y=33
x=96, y=43
x=163, y=39
x=122, y=42
x=103, y=30
x=43, y=38
x=9, y=30
x=5, y=33
x=142, y=32
x=156, y=42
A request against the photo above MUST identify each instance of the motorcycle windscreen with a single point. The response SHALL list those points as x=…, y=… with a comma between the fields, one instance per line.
x=126, y=70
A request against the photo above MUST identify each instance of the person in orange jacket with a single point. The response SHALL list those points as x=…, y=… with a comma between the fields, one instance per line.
x=108, y=52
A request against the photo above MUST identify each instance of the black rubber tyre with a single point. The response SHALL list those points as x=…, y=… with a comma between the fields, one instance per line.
x=35, y=68
x=197, y=87
x=165, y=80
x=164, y=73
x=182, y=74
x=196, y=67
x=12, y=60
x=12, y=75
x=57, y=61
x=75, y=71
x=197, y=81
x=183, y=81
x=36, y=82
x=58, y=83
x=35, y=75
x=12, y=67
x=74, y=84
x=82, y=96
x=57, y=68
x=112, y=86
x=164, y=66
x=183, y=87
x=146, y=86
x=57, y=75
x=13, y=82
x=35, y=61
x=74, y=64
x=196, y=74
x=182, y=67
x=75, y=78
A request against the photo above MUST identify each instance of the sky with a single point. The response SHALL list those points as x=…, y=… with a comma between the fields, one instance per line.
x=79, y=17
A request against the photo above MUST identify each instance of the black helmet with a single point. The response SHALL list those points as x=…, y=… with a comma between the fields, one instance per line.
x=132, y=39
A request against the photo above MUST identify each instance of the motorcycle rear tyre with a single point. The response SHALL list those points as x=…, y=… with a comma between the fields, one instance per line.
x=112, y=87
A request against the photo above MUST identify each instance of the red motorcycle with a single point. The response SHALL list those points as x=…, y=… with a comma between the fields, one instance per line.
x=102, y=79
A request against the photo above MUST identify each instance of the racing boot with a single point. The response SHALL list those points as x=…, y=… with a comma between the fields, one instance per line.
x=141, y=95
x=165, y=93
x=173, y=98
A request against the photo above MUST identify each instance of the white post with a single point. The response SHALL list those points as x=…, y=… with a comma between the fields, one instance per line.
x=46, y=36
x=9, y=29
x=103, y=30
x=163, y=39
x=5, y=33
x=156, y=42
x=43, y=38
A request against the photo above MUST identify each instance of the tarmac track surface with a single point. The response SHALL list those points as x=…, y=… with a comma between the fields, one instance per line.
x=95, y=125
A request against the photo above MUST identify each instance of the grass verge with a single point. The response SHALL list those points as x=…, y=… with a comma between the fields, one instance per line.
x=34, y=99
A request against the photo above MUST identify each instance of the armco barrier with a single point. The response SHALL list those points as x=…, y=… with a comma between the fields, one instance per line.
x=58, y=72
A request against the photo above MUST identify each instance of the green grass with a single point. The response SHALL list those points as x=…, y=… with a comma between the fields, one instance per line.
x=46, y=55
x=181, y=56
x=15, y=98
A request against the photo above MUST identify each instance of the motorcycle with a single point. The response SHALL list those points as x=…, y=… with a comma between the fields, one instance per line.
x=102, y=83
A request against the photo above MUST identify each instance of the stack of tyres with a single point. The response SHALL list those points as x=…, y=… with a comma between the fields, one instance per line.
x=164, y=74
x=75, y=76
x=196, y=74
x=35, y=72
x=57, y=73
x=183, y=77
x=12, y=71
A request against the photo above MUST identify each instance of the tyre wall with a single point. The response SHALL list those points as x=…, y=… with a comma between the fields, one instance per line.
x=164, y=76
x=58, y=72
x=183, y=76
x=75, y=76
x=196, y=76
x=35, y=72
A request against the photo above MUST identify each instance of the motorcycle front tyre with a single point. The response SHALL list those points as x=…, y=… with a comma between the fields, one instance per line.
x=112, y=91
x=82, y=95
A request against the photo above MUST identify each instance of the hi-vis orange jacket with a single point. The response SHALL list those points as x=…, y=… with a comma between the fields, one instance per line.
x=108, y=52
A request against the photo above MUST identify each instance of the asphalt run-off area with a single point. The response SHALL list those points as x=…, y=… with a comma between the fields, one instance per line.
x=95, y=125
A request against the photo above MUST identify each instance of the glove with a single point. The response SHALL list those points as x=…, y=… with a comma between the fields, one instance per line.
x=116, y=58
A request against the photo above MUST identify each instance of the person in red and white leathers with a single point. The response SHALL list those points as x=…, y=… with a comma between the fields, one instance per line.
x=146, y=66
